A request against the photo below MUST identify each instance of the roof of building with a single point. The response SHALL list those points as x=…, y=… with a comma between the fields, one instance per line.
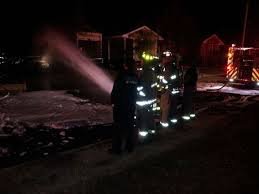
x=212, y=39
x=144, y=27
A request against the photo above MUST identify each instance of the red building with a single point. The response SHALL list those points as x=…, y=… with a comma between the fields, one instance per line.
x=213, y=51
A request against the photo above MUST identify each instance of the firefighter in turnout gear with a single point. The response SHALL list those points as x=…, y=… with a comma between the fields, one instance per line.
x=123, y=98
x=165, y=93
x=174, y=88
x=171, y=84
x=146, y=96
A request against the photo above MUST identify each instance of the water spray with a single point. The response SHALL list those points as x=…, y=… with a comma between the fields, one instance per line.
x=71, y=56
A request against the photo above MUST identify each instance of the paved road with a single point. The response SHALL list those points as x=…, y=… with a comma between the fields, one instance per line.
x=223, y=162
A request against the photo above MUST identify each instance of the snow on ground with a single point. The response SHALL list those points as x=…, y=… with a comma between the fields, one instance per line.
x=59, y=109
x=213, y=79
x=44, y=110
x=54, y=108
x=213, y=86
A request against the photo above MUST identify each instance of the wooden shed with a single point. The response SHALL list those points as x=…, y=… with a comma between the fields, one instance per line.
x=212, y=51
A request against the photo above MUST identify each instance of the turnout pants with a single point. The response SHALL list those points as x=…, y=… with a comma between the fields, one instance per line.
x=124, y=137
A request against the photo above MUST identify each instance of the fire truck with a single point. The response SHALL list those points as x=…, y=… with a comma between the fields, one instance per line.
x=243, y=65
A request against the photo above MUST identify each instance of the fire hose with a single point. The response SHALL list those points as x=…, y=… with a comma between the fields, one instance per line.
x=218, y=89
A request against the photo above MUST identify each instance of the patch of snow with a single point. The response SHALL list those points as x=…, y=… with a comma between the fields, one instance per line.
x=65, y=141
x=23, y=153
x=54, y=109
x=217, y=87
x=240, y=91
x=204, y=86
x=62, y=133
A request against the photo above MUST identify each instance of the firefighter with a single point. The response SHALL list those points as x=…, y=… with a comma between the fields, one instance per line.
x=174, y=88
x=190, y=86
x=146, y=96
x=164, y=85
x=157, y=85
x=123, y=98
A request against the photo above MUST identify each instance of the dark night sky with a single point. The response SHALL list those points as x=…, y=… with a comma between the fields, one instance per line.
x=182, y=20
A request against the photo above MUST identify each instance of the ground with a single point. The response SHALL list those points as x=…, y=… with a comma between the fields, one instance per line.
x=223, y=161
x=214, y=153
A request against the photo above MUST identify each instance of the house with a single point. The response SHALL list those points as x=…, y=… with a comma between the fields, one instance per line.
x=213, y=51
x=131, y=45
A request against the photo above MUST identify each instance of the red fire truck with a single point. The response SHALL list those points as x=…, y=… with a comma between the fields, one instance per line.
x=243, y=65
